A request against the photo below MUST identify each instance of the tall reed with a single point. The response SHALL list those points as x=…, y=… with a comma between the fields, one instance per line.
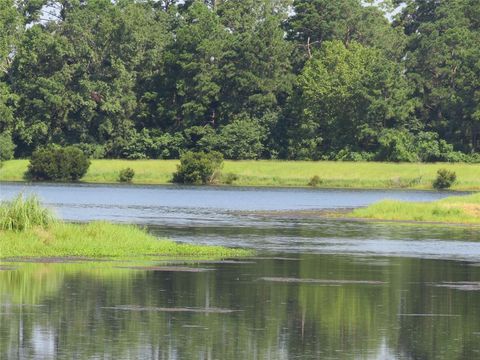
x=23, y=213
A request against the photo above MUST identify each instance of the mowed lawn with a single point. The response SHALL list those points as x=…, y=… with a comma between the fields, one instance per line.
x=280, y=173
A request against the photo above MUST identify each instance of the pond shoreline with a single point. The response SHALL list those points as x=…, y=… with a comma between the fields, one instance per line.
x=279, y=174
x=441, y=212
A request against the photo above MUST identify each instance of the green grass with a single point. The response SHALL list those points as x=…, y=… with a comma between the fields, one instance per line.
x=367, y=175
x=29, y=230
x=453, y=210
x=100, y=240
x=24, y=214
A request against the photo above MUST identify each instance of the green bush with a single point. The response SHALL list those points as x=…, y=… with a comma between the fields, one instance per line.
x=397, y=146
x=92, y=151
x=58, y=164
x=126, y=175
x=315, y=181
x=7, y=146
x=230, y=178
x=445, y=179
x=241, y=140
x=23, y=214
x=198, y=167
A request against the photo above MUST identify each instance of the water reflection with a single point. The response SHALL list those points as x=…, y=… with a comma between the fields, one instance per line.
x=336, y=237
x=85, y=310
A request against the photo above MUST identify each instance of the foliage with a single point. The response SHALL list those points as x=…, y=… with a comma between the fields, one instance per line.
x=126, y=175
x=445, y=179
x=301, y=79
x=230, y=178
x=7, y=147
x=241, y=139
x=341, y=95
x=315, y=181
x=58, y=164
x=397, y=146
x=24, y=213
x=198, y=167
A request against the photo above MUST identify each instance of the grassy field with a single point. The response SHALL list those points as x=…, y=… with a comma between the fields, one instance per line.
x=281, y=173
x=29, y=230
x=453, y=210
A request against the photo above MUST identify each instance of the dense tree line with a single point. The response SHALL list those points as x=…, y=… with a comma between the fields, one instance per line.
x=301, y=79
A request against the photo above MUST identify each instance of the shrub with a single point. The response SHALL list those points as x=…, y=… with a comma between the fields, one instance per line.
x=198, y=167
x=445, y=179
x=241, y=139
x=126, y=175
x=58, y=164
x=92, y=151
x=315, y=181
x=230, y=178
x=23, y=214
x=397, y=146
x=7, y=146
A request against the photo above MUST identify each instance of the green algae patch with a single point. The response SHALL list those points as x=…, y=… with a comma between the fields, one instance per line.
x=451, y=210
x=101, y=240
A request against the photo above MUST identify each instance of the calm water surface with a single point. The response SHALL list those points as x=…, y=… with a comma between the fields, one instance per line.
x=318, y=289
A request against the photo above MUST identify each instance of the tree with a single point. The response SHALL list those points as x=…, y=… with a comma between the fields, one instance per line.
x=350, y=94
x=78, y=79
x=11, y=28
x=317, y=21
x=442, y=61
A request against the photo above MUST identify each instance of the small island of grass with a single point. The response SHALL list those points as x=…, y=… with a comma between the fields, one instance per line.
x=451, y=210
x=29, y=230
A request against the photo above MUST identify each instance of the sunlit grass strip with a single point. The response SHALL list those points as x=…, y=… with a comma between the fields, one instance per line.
x=24, y=214
x=101, y=240
x=366, y=175
x=454, y=210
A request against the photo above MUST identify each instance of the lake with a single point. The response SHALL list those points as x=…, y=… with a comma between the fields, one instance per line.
x=317, y=289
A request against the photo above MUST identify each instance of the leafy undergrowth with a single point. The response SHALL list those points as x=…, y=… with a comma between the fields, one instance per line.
x=455, y=209
x=100, y=240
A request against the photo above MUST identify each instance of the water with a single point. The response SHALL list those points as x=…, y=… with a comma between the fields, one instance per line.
x=318, y=289
x=186, y=205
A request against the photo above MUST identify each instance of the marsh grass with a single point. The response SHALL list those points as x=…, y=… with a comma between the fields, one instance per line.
x=455, y=210
x=24, y=213
x=101, y=240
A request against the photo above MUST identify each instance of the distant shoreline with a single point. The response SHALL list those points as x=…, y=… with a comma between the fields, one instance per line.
x=275, y=173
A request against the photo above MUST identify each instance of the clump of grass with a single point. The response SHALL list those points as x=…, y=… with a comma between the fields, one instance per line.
x=399, y=182
x=315, y=181
x=24, y=213
x=230, y=178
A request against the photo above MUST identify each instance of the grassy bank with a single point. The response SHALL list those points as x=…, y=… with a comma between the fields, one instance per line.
x=28, y=230
x=100, y=240
x=453, y=210
x=367, y=175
